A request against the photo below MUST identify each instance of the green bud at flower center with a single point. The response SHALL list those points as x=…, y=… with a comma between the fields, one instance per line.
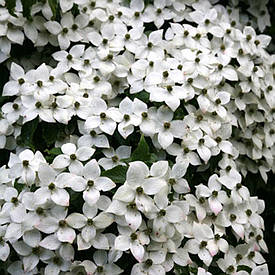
x=73, y=157
x=99, y=269
x=115, y=158
x=133, y=236
x=203, y=244
x=148, y=262
x=162, y=212
x=25, y=163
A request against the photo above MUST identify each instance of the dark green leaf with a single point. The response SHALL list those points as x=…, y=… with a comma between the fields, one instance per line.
x=27, y=133
x=18, y=186
x=245, y=268
x=27, y=5
x=54, y=7
x=76, y=201
x=10, y=4
x=142, y=151
x=50, y=133
x=143, y=96
x=3, y=99
x=116, y=174
x=54, y=151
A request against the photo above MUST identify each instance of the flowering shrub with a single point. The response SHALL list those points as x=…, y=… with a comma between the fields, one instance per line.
x=130, y=127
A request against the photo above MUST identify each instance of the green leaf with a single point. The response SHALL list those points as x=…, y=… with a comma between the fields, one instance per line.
x=54, y=7
x=143, y=96
x=142, y=151
x=18, y=186
x=50, y=133
x=27, y=5
x=245, y=268
x=116, y=174
x=54, y=151
x=10, y=4
x=27, y=133
x=3, y=100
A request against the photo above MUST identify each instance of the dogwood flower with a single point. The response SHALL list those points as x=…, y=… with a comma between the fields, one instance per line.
x=51, y=188
x=198, y=245
x=114, y=157
x=72, y=158
x=103, y=117
x=216, y=196
x=25, y=165
x=132, y=241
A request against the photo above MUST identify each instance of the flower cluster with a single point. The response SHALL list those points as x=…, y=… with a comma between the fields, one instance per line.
x=193, y=79
x=156, y=216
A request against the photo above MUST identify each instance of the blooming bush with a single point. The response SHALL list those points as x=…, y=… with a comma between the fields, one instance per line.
x=127, y=130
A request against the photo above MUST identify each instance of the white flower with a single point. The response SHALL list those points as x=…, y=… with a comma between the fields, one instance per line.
x=157, y=13
x=103, y=265
x=89, y=222
x=114, y=157
x=18, y=84
x=4, y=247
x=151, y=48
x=66, y=31
x=95, y=183
x=102, y=117
x=151, y=264
x=51, y=188
x=69, y=60
x=56, y=223
x=72, y=158
x=167, y=128
x=30, y=250
x=93, y=137
x=130, y=119
x=198, y=245
x=216, y=196
x=130, y=240
x=13, y=110
x=25, y=165
x=234, y=218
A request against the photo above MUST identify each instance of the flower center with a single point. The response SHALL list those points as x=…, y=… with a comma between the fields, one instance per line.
x=96, y=79
x=203, y=244
x=103, y=116
x=115, y=158
x=233, y=217
x=92, y=133
x=144, y=115
x=76, y=104
x=21, y=81
x=62, y=223
x=99, y=269
x=14, y=200
x=90, y=183
x=166, y=125
x=126, y=117
x=39, y=211
x=162, y=212
x=139, y=190
x=39, y=83
x=51, y=186
x=90, y=222
x=73, y=157
x=172, y=181
x=148, y=262
x=133, y=236
x=25, y=163
x=38, y=104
